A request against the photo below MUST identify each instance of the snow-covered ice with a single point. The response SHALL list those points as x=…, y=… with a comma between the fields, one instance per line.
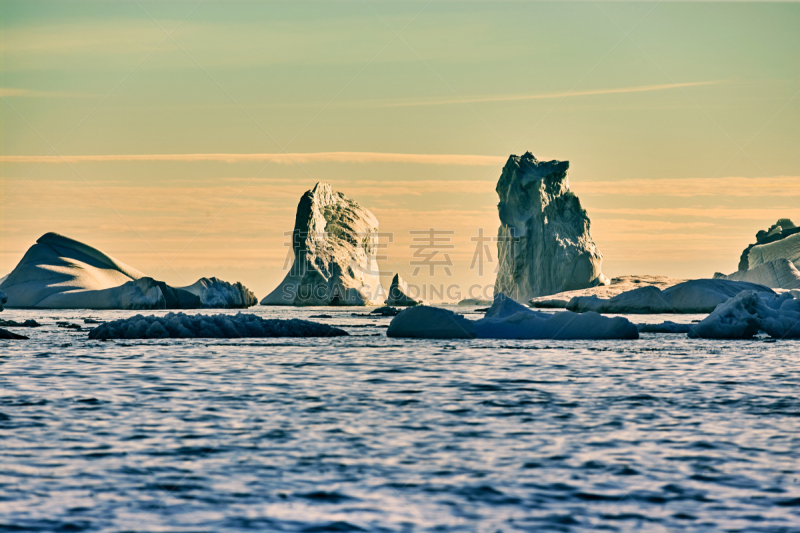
x=750, y=312
x=218, y=294
x=61, y=273
x=507, y=319
x=183, y=326
x=694, y=296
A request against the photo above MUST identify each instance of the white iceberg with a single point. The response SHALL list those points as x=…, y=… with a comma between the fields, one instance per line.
x=773, y=260
x=507, y=319
x=61, y=273
x=694, y=296
x=544, y=242
x=399, y=293
x=218, y=294
x=182, y=326
x=335, y=253
x=750, y=312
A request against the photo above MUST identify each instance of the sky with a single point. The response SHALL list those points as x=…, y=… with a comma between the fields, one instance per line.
x=178, y=137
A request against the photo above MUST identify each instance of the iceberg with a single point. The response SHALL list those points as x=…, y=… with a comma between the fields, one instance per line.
x=426, y=322
x=183, y=326
x=694, y=296
x=617, y=286
x=507, y=319
x=335, y=245
x=544, y=242
x=218, y=294
x=773, y=260
x=61, y=273
x=3, y=300
x=750, y=312
x=399, y=293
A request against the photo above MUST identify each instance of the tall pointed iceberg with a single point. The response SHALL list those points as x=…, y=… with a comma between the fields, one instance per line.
x=544, y=242
x=335, y=245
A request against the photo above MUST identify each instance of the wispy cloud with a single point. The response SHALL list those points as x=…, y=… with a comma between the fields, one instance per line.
x=591, y=92
x=10, y=91
x=688, y=187
x=287, y=158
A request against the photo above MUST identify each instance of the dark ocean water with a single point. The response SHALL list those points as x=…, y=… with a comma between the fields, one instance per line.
x=367, y=433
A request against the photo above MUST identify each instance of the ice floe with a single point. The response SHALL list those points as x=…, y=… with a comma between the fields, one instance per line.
x=183, y=326
x=694, y=296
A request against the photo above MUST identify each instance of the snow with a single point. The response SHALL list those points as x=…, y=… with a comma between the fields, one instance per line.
x=218, y=294
x=544, y=242
x=182, y=326
x=335, y=253
x=750, y=312
x=694, y=296
x=399, y=293
x=507, y=319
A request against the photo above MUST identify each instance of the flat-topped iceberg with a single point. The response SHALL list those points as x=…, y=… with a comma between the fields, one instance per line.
x=695, y=296
x=182, y=326
x=544, y=242
x=617, y=286
x=61, y=273
x=749, y=313
x=507, y=319
x=335, y=253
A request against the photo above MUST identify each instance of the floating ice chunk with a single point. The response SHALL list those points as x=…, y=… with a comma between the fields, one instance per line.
x=664, y=327
x=218, y=294
x=182, y=326
x=749, y=312
x=695, y=296
x=507, y=319
x=425, y=322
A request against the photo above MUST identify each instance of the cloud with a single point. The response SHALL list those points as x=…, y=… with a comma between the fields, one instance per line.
x=285, y=158
x=730, y=186
x=592, y=92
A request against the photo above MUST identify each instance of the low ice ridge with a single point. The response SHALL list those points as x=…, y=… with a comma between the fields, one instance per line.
x=183, y=326
x=507, y=319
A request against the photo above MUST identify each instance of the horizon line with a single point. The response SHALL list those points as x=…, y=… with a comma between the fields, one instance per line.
x=283, y=158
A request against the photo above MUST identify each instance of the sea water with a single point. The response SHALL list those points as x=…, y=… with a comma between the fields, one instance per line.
x=369, y=433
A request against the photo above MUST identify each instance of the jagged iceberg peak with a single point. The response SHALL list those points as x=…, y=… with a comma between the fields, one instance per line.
x=335, y=244
x=544, y=242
